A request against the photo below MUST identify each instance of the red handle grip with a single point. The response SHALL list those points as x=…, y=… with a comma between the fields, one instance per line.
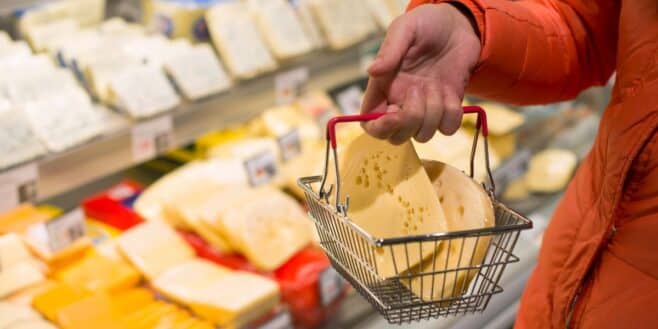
x=331, y=124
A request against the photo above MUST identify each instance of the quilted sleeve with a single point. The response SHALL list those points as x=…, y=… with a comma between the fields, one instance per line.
x=541, y=51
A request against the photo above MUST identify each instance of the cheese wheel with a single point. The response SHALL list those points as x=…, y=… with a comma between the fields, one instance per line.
x=466, y=206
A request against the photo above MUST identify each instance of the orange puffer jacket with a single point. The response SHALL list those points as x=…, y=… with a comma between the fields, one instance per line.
x=598, y=265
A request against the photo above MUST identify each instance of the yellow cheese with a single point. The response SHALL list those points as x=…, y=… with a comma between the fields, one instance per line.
x=184, y=281
x=281, y=28
x=11, y=314
x=25, y=296
x=550, y=170
x=279, y=120
x=154, y=247
x=50, y=301
x=19, y=276
x=516, y=190
x=148, y=316
x=33, y=324
x=500, y=119
x=99, y=274
x=467, y=206
x=504, y=145
x=309, y=163
x=266, y=226
x=390, y=196
x=95, y=311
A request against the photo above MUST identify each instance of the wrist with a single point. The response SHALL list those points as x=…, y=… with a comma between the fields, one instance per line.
x=466, y=19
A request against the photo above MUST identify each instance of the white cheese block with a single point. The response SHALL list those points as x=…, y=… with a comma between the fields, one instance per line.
x=466, y=206
x=87, y=12
x=41, y=36
x=19, y=276
x=17, y=141
x=154, y=247
x=184, y=281
x=197, y=72
x=15, y=51
x=11, y=313
x=309, y=23
x=12, y=251
x=390, y=196
x=550, y=170
x=344, y=22
x=5, y=39
x=238, y=41
x=281, y=27
x=44, y=14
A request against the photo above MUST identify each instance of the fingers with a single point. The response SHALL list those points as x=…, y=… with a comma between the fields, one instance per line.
x=397, y=42
x=411, y=116
x=385, y=126
x=433, y=114
x=452, y=113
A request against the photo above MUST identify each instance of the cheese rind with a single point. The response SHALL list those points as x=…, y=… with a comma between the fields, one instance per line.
x=390, y=196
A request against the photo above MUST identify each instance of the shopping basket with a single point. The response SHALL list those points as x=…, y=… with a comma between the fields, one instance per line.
x=352, y=250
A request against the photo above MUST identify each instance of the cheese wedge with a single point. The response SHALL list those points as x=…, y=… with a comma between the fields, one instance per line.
x=197, y=72
x=550, y=170
x=281, y=28
x=96, y=273
x=390, y=196
x=266, y=226
x=19, y=276
x=154, y=247
x=467, y=206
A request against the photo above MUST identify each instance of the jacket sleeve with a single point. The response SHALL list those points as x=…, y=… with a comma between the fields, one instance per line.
x=541, y=51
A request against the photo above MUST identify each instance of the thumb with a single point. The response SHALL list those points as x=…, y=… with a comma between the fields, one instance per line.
x=398, y=39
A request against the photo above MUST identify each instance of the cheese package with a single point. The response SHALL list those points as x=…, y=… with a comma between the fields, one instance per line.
x=142, y=91
x=466, y=206
x=550, y=170
x=10, y=314
x=281, y=120
x=265, y=225
x=390, y=196
x=26, y=295
x=238, y=41
x=96, y=273
x=41, y=36
x=261, y=158
x=18, y=143
x=94, y=311
x=12, y=251
x=42, y=15
x=153, y=247
x=500, y=119
x=177, y=19
x=343, y=22
x=281, y=27
x=184, y=281
x=310, y=26
x=50, y=301
x=19, y=276
x=197, y=72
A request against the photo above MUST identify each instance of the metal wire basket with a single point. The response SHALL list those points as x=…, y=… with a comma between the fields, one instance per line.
x=455, y=282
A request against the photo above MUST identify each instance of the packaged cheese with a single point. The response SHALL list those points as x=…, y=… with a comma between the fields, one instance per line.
x=184, y=281
x=550, y=170
x=310, y=25
x=235, y=35
x=11, y=314
x=344, y=22
x=96, y=273
x=50, y=301
x=281, y=27
x=154, y=247
x=94, y=311
x=390, y=196
x=19, y=276
x=197, y=72
x=466, y=206
x=41, y=36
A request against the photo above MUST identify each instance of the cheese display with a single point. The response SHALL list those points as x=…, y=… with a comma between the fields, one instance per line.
x=96, y=273
x=10, y=314
x=390, y=196
x=281, y=28
x=550, y=170
x=197, y=72
x=343, y=22
x=265, y=225
x=19, y=276
x=238, y=41
x=50, y=301
x=184, y=281
x=153, y=247
x=18, y=143
x=466, y=206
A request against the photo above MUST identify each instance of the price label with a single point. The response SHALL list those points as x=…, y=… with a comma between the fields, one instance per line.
x=288, y=85
x=59, y=233
x=282, y=320
x=18, y=185
x=261, y=168
x=152, y=137
x=290, y=145
x=349, y=100
x=331, y=285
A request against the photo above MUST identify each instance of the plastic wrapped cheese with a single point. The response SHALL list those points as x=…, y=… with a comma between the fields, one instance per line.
x=96, y=273
x=197, y=72
x=281, y=27
x=390, y=196
x=466, y=206
x=184, y=281
x=344, y=22
x=309, y=24
x=19, y=276
x=550, y=170
x=10, y=314
x=235, y=35
x=40, y=36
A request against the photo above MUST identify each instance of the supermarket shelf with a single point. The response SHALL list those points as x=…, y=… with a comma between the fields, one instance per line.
x=63, y=172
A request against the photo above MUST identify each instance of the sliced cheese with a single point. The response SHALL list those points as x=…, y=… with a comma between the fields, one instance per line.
x=185, y=281
x=550, y=170
x=10, y=314
x=50, y=301
x=25, y=296
x=390, y=196
x=467, y=206
x=94, y=311
x=142, y=91
x=500, y=119
x=197, y=72
x=12, y=251
x=154, y=247
x=344, y=22
x=281, y=27
x=19, y=276
x=131, y=299
x=96, y=273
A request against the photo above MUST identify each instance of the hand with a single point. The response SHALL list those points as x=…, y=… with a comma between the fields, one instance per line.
x=420, y=74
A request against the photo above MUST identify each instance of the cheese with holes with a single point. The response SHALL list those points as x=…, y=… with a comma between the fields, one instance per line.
x=184, y=281
x=550, y=170
x=238, y=41
x=281, y=27
x=154, y=247
x=500, y=119
x=99, y=274
x=466, y=206
x=265, y=225
x=390, y=195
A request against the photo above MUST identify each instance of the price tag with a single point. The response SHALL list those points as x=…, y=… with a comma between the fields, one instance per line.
x=282, y=320
x=261, y=168
x=331, y=285
x=288, y=85
x=18, y=185
x=152, y=137
x=290, y=145
x=59, y=233
x=349, y=100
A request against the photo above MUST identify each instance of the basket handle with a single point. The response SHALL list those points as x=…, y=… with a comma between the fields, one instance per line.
x=480, y=125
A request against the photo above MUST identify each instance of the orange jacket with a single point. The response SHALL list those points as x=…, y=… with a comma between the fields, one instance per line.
x=598, y=265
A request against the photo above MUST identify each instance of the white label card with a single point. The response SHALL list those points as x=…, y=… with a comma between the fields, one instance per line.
x=290, y=145
x=60, y=232
x=282, y=320
x=288, y=85
x=331, y=285
x=349, y=100
x=261, y=168
x=152, y=137
x=18, y=185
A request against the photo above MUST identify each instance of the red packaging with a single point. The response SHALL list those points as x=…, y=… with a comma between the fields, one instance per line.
x=110, y=206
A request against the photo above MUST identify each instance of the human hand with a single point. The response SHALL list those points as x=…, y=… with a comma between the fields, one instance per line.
x=420, y=74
